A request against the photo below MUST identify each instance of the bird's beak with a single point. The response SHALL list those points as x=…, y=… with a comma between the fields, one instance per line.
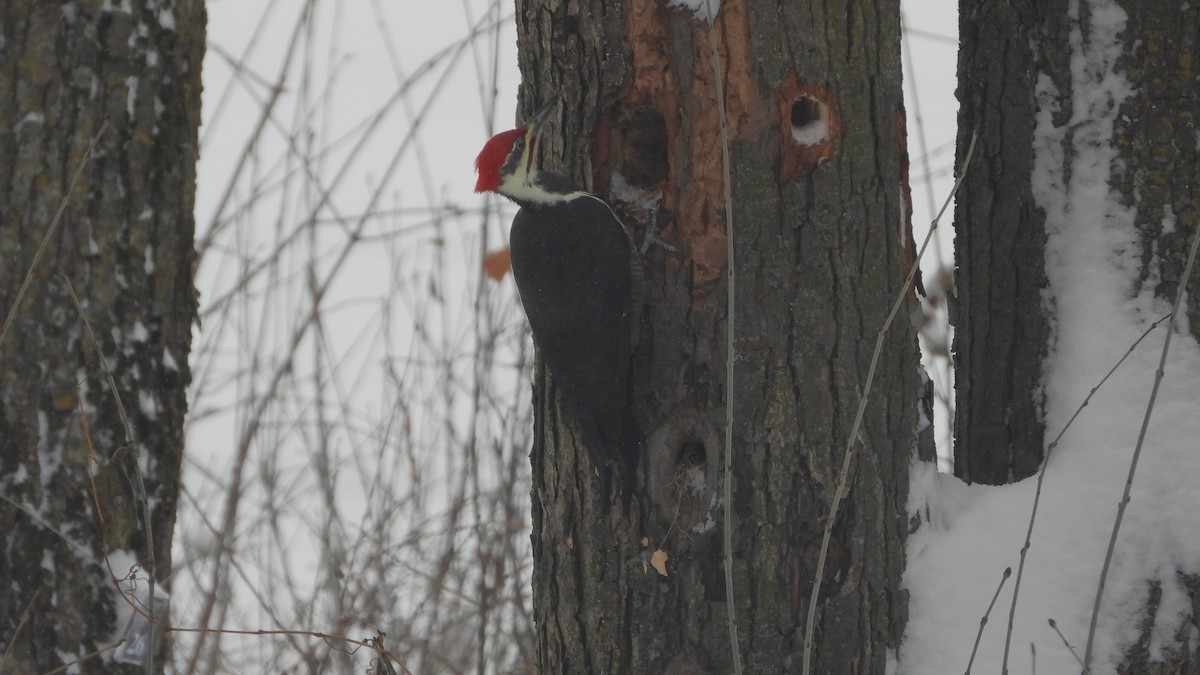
x=539, y=118
x=534, y=130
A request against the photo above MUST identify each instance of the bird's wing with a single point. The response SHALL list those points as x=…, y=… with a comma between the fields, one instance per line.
x=571, y=265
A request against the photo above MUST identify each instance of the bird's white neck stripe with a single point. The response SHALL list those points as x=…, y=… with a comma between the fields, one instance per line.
x=518, y=188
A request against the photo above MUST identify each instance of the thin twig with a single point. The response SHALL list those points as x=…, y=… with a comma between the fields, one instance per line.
x=983, y=622
x=62, y=207
x=377, y=643
x=844, y=480
x=1137, y=450
x=131, y=437
x=129, y=597
x=134, y=447
x=325, y=637
x=33, y=515
x=1037, y=494
x=264, y=116
x=86, y=657
x=730, y=348
x=380, y=573
x=258, y=408
x=1054, y=625
x=12, y=639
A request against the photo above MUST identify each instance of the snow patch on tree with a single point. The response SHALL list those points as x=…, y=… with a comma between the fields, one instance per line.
x=704, y=9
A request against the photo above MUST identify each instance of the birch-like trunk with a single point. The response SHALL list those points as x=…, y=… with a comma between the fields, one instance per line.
x=124, y=242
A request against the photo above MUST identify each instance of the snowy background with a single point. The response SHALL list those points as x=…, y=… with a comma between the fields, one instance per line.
x=1101, y=311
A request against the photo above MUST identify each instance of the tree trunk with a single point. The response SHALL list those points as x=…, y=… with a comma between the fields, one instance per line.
x=1002, y=337
x=815, y=125
x=1155, y=176
x=124, y=241
x=1158, y=144
x=1000, y=326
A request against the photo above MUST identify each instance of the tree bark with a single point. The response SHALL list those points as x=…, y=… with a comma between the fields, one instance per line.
x=1158, y=147
x=815, y=125
x=124, y=241
x=1000, y=324
x=1158, y=143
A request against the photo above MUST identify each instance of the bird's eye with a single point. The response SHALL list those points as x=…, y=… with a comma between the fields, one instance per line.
x=520, y=144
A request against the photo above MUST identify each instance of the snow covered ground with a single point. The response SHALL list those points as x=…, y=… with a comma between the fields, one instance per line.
x=970, y=534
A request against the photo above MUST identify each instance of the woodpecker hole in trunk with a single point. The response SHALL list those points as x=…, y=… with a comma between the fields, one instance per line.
x=637, y=143
x=810, y=124
x=692, y=453
x=683, y=473
x=643, y=144
x=690, y=486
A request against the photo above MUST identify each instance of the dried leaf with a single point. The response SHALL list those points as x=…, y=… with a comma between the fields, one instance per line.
x=498, y=263
x=659, y=561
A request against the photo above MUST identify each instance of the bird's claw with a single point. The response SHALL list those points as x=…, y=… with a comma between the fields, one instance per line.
x=650, y=235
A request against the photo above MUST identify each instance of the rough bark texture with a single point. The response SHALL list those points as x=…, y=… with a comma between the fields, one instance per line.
x=1001, y=328
x=125, y=243
x=822, y=238
x=1157, y=139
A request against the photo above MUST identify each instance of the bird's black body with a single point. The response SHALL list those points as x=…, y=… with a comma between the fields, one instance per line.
x=571, y=261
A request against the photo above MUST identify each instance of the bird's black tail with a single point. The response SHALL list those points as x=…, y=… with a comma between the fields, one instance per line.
x=614, y=441
x=628, y=452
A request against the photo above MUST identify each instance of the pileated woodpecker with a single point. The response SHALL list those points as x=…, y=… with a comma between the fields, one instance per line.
x=571, y=259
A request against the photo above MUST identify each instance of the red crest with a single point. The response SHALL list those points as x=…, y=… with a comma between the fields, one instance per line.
x=492, y=157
